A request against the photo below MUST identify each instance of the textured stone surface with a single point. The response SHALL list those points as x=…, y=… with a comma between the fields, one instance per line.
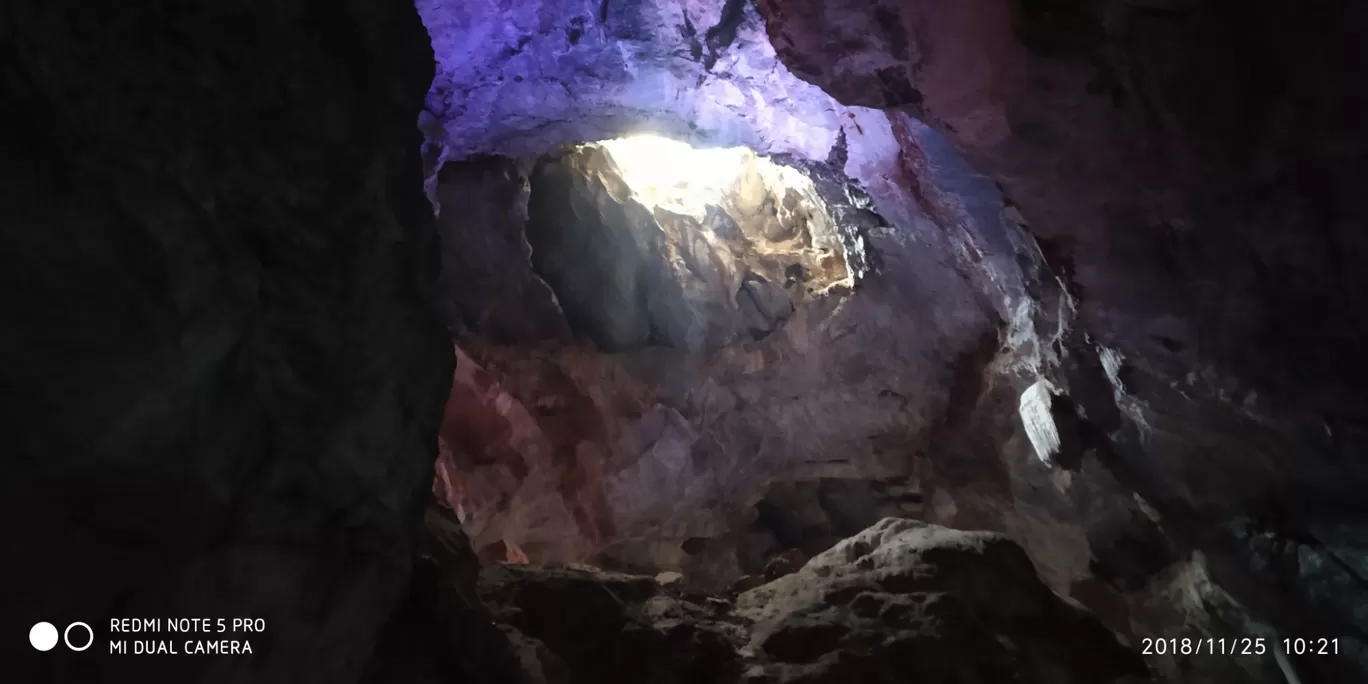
x=1097, y=120
x=1184, y=169
x=487, y=280
x=219, y=353
x=635, y=266
x=1161, y=252
x=898, y=598
x=218, y=272
x=609, y=627
x=519, y=471
x=642, y=442
x=893, y=54
x=949, y=605
x=519, y=78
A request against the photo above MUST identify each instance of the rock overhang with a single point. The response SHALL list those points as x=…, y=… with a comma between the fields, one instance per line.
x=518, y=79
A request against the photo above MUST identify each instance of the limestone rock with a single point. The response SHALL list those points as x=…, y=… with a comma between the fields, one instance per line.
x=900, y=597
x=507, y=454
x=1038, y=420
x=218, y=332
x=756, y=365
x=669, y=579
x=596, y=247
x=632, y=263
x=904, y=596
x=487, y=284
x=520, y=78
x=783, y=564
x=609, y=627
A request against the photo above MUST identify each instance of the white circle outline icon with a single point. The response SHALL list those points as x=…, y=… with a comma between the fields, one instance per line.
x=43, y=636
x=66, y=636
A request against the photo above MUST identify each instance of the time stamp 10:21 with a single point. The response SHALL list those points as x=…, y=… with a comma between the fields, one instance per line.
x=1239, y=646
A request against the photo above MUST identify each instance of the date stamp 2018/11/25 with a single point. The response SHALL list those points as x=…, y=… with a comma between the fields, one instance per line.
x=1253, y=646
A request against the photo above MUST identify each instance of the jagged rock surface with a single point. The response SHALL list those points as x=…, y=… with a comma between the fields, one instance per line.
x=631, y=270
x=899, y=598
x=487, y=277
x=215, y=305
x=520, y=78
x=1163, y=252
x=673, y=436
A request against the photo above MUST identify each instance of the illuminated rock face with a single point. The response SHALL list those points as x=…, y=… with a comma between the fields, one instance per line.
x=723, y=332
x=523, y=473
x=671, y=261
x=519, y=77
x=1088, y=197
x=217, y=333
x=898, y=598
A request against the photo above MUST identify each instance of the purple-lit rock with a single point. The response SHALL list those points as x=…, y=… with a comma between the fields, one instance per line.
x=518, y=77
x=1086, y=198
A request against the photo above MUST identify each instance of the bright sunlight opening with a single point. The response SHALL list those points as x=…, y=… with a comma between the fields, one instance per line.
x=671, y=174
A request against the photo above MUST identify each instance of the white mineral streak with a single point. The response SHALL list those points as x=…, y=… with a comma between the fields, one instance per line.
x=1040, y=426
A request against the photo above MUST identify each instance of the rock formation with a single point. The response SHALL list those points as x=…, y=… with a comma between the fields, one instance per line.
x=899, y=598
x=717, y=351
x=222, y=374
x=1079, y=276
x=1096, y=282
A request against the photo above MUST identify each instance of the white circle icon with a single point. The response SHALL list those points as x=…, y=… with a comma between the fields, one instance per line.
x=90, y=636
x=43, y=636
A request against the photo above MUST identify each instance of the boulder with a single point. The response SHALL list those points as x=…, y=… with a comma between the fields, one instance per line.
x=900, y=597
x=951, y=606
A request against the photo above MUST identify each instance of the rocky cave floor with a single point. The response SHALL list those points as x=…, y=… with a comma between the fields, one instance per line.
x=688, y=340
x=901, y=597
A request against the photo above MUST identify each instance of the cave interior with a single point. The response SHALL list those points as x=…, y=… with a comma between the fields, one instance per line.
x=686, y=341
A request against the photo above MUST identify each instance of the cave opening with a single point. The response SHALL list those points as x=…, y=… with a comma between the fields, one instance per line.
x=648, y=240
x=612, y=254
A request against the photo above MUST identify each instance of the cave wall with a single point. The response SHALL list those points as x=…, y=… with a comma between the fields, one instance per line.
x=1185, y=170
x=1149, y=207
x=1191, y=163
x=499, y=294
x=1152, y=204
x=222, y=375
x=518, y=78
x=573, y=450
